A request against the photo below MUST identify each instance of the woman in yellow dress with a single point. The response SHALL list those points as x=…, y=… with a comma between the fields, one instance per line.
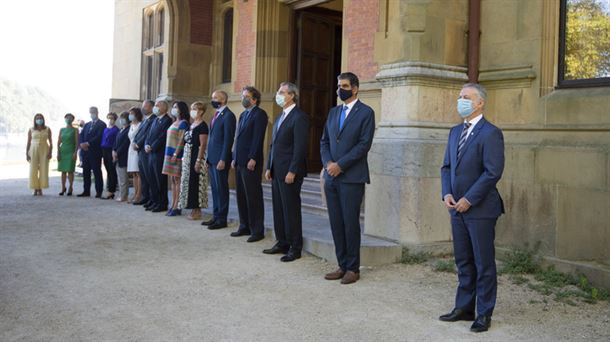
x=38, y=154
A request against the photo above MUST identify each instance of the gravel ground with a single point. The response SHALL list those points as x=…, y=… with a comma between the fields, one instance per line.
x=86, y=269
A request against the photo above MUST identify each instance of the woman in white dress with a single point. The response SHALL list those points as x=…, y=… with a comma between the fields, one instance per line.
x=135, y=116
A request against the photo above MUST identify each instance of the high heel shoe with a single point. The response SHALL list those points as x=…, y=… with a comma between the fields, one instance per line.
x=62, y=192
x=69, y=193
x=109, y=197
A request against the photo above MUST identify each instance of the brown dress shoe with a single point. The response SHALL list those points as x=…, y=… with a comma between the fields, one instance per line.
x=350, y=277
x=336, y=275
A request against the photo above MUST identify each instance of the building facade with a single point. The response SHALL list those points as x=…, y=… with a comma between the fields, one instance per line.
x=412, y=56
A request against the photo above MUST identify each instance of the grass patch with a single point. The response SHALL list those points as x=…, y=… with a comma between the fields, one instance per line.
x=521, y=261
x=416, y=258
x=518, y=279
x=444, y=266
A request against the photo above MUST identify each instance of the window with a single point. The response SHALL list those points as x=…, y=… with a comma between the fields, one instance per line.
x=584, y=43
x=153, y=48
x=227, y=46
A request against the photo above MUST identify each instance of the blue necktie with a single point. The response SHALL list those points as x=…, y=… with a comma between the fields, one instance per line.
x=342, y=117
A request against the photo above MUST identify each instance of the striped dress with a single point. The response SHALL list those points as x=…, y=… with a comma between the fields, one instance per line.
x=175, y=145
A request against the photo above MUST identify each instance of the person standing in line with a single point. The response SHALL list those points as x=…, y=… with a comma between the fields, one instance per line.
x=174, y=148
x=219, y=158
x=38, y=153
x=154, y=146
x=119, y=155
x=286, y=168
x=90, y=145
x=135, y=119
x=67, y=150
x=248, y=165
x=137, y=144
x=346, y=141
x=194, y=182
x=108, y=139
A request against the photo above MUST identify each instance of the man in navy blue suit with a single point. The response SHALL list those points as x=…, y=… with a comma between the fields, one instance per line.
x=346, y=141
x=248, y=164
x=286, y=168
x=473, y=165
x=154, y=146
x=90, y=144
x=219, y=157
x=143, y=161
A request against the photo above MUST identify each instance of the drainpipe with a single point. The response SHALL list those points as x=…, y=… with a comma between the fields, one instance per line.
x=474, y=42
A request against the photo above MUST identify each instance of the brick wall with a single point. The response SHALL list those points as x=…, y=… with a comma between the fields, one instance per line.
x=201, y=21
x=360, y=22
x=245, y=45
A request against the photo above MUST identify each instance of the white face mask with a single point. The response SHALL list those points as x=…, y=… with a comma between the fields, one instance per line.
x=280, y=100
x=193, y=113
x=174, y=112
x=93, y=116
x=156, y=110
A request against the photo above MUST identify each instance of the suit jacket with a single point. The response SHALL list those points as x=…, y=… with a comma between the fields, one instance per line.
x=121, y=146
x=92, y=133
x=250, y=137
x=221, y=137
x=157, y=134
x=475, y=174
x=288, y=152
x=142, y=132
x=349, y=146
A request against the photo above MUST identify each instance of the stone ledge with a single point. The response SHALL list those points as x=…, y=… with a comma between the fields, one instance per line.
x=421, y=73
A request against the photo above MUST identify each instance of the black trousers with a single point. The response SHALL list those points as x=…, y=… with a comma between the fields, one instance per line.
x=145, y=173
x=250, y=204
x=158, y=184
x=111, y=177
x=287, y=220
x=219, y=181
x=92, y=161
x=343, y=201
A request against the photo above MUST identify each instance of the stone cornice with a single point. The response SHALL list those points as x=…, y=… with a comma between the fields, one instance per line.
x=421, y=73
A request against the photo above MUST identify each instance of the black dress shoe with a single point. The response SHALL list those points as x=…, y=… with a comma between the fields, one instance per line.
x=84, y=194
x=276, y=249
x=98, y=195
x=140, y=202
x=217, y=225
x=158, y=209
x=255, y=238
x=208, y=222
x=149, y=208
x=291, y=256
x=482, y=323
x=240, y=232
x=457, y=315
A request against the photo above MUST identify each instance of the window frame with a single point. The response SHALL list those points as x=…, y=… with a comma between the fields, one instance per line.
x=561, y=81
x=227, y=46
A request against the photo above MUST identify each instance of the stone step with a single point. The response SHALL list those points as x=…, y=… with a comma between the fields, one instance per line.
x=318, y=240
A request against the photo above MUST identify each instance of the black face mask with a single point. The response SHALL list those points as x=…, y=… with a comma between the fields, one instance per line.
x=344, y=94
x=215, y=104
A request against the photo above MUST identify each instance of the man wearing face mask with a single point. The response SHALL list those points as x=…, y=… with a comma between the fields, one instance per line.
x=154, y=146
x=247, y=162
x=346, y=141
x=92, y=154
x=473, y=165
x=286, y=168
x=143, y=157
x=219, y=157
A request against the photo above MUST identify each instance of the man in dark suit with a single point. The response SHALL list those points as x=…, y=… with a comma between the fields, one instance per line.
x=90, y=144
x=143, y=161
x=248, y=164
x=154, y=146
x=219, y=156
x=286, y=168
x=473, y=164
x=346, y=141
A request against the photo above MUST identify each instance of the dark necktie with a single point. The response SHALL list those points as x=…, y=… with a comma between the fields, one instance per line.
x=214, y=119
x=463, y=138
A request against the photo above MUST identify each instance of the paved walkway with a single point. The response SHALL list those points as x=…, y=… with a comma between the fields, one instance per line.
x=86, y=269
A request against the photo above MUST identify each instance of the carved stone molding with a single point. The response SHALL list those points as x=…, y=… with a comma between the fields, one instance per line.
x=421, y=73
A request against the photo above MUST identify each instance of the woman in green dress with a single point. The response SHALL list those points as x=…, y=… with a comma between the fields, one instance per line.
x=67, y=152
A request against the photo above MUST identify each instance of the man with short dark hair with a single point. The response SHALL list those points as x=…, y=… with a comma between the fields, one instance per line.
x=155, y=147
x=248, y=165
x=143, y=161
x=346, y=141
x=91, y=148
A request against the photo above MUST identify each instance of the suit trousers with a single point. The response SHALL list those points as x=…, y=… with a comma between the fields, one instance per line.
x=250, y=204
x=123, y=182
x=111, y=176
x=473, y=246
x=145, y=174
x=219, y=181
x=287, y=220
x=92, y=161
x=343, y=201
x=158, y=184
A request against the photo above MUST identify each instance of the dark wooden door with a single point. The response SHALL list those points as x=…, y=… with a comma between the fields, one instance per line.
x=318, y=62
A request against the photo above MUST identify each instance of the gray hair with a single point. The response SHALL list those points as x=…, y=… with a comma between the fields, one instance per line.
x=479, y=88
x=292, y=89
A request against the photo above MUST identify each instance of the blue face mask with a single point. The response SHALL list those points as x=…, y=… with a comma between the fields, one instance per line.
x=465, y=107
